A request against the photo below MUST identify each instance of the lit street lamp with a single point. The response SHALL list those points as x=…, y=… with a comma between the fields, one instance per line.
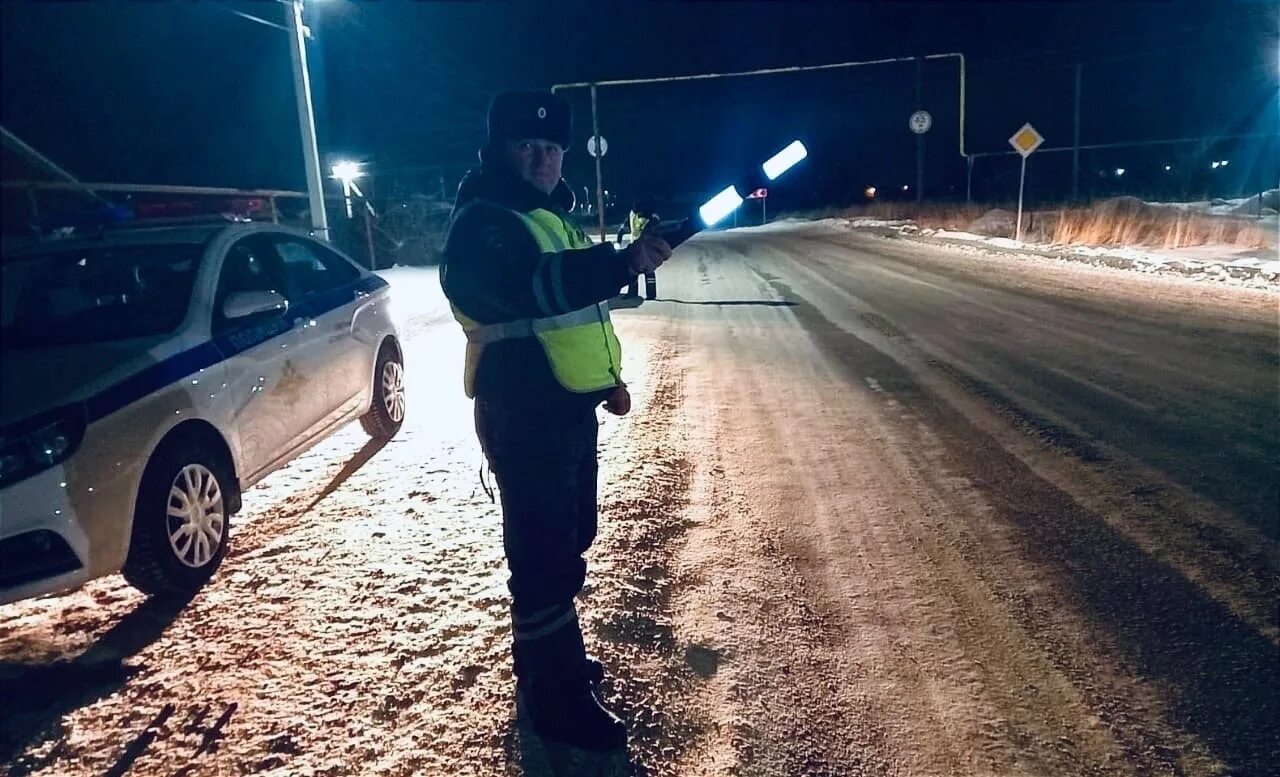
x=347, y=172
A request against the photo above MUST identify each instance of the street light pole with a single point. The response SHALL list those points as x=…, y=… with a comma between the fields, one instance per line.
x=595, y=133
x=306, y=118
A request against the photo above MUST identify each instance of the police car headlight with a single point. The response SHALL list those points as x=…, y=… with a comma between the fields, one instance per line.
x=38, y=444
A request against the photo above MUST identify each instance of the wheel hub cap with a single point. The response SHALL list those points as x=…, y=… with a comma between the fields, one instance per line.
x=195, y=517
x=393, y=390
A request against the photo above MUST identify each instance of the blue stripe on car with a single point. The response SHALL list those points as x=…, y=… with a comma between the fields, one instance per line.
x=223, y=347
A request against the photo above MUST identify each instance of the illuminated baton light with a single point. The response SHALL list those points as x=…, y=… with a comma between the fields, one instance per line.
x=727, y=201
x=719, y=206
x=785, y=159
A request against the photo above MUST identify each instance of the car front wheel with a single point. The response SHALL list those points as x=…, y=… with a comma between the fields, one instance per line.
x=386, y=413
x=182, y=523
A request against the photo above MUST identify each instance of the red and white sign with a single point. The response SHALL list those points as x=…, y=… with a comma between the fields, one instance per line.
x=758, y=194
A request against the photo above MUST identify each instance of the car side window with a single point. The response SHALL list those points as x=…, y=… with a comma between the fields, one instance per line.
x=250, y=265
x=311, y=268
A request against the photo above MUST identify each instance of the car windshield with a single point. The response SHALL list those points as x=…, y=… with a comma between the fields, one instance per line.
x=97, y=294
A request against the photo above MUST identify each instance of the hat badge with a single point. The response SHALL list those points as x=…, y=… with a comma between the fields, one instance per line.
x=542, y=113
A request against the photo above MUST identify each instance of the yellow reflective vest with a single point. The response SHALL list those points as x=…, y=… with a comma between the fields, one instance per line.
x=638, y=223
x=580, y=345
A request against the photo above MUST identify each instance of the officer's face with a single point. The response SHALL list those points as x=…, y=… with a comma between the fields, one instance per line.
x=536, y=161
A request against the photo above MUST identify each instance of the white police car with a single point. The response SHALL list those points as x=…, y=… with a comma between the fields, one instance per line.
x=151, y=375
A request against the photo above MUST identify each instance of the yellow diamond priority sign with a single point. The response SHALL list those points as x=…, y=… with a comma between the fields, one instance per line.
x=1026, y=140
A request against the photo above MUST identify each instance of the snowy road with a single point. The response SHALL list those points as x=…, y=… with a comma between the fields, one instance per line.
x=881, y=508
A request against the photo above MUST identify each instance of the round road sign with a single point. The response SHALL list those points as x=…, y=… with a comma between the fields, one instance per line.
x=920, y=122
x=597, y=143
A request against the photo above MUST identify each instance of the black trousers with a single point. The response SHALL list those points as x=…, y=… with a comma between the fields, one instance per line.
x=545, y=463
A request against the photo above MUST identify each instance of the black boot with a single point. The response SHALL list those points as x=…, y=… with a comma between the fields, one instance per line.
x=572, y=716
x=555, y=689
x=595, y=671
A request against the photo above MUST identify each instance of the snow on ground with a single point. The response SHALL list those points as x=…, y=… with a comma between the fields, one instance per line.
x=416, y=294
x=1260, y=206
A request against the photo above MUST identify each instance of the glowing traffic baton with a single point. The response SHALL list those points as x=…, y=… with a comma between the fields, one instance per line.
x=714, y=210
x=784, y=160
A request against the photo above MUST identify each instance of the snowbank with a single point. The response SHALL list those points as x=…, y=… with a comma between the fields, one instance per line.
x=1264, y=206
x=1258, y=268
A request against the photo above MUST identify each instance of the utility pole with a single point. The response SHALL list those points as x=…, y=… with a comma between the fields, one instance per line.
x=1075, y=150
x=306, y=118
x=595, y=132
x=919, y=136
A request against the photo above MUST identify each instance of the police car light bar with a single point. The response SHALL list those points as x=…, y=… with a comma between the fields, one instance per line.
x=785, y=159
x=151, y=214
x=720, y=206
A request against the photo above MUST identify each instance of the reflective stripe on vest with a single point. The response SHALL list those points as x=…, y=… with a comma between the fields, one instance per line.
x=580, y=345
x=528, y=327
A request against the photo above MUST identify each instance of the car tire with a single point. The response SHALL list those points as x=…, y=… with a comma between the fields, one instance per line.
x=182, y=522
x=386, y=413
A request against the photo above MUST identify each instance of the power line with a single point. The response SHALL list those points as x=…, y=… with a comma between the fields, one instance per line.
x=253, y=18
x=1129, y=144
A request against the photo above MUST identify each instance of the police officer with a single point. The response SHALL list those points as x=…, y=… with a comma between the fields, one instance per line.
x=530, y=291
x=641, y=217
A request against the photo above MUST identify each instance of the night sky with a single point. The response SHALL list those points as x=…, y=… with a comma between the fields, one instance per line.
x=190, y=93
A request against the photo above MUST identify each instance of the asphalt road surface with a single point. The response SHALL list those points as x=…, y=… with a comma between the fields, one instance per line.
x=881, y=508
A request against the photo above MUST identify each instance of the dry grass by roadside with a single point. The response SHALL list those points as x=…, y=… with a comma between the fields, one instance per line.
x=1127, y=222
x=1124, y=221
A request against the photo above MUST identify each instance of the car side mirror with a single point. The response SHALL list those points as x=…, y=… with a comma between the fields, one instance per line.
x=243, y=304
